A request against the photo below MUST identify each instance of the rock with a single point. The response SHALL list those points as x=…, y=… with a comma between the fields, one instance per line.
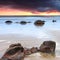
x=34, y=49
x=14, y=52
x=13, y=45
x=48, y=47
x=27, y=51
x=16, y=22
x=53, y=20
x=28, y=22
x=30, y=51
x=17, y=56
x=8, y=22
x=23, y=22
x=39, y=23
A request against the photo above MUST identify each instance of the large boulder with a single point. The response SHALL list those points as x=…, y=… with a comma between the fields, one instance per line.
x=39, y=23
x=14, y=52
x=8, y=22
x=48, y=47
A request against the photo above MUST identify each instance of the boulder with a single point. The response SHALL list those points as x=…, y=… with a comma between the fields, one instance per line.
x=48, y=47
x=23, y=22
x=14, y=52
x=34, y=49
x=8, y=22
x=53, y=20
x=39, y=23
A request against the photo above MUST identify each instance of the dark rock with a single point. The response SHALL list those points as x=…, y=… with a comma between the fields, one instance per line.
x=17, y=56
x=34, y=49
x=53, y=20
x=13, y=45
x=16, y=22
x=48, y=47
x=23, y=22
x=30, y=51
x=27, y=51
x=39, y=23
x=14, y=52
x=29, y=22
x=8, y=22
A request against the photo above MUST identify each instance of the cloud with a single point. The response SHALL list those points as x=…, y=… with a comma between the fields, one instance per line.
x=56, y=4
x=38, y=5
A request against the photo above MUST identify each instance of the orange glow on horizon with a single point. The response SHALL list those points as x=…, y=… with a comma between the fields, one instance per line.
x=6, y=11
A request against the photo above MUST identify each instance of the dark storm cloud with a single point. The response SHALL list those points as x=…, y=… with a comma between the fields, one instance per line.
x=39, y=5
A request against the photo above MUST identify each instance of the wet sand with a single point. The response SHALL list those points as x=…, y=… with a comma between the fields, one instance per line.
x=26, y=41
x=37, y=56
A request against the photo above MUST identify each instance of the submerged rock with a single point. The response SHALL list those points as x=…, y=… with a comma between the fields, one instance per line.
x=8, y=22
x=23, y=22
x=28, y=22
x=53, y=20
x=48, y=47
x=17, y=22
x=14, y=52
x=39, y=23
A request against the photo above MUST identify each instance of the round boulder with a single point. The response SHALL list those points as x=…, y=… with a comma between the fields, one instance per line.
x=39, y=23
x=48, y=47
x=8, y=22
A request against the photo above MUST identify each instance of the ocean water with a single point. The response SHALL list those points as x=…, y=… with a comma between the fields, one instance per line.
x=29, y=28
x=50, y=30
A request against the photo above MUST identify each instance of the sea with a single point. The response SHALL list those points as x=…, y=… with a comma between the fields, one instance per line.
x=49, y=31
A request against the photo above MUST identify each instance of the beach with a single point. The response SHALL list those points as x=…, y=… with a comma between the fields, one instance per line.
x=29, y=42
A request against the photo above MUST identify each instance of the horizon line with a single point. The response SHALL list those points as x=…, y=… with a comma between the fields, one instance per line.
x=28, y=15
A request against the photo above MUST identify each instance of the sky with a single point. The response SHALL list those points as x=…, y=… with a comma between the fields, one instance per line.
x=29, y=7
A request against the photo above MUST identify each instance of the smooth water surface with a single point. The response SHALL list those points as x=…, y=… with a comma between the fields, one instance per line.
x=50, y=30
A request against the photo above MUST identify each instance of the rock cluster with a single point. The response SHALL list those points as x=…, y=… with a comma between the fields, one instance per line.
x=18, y=52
